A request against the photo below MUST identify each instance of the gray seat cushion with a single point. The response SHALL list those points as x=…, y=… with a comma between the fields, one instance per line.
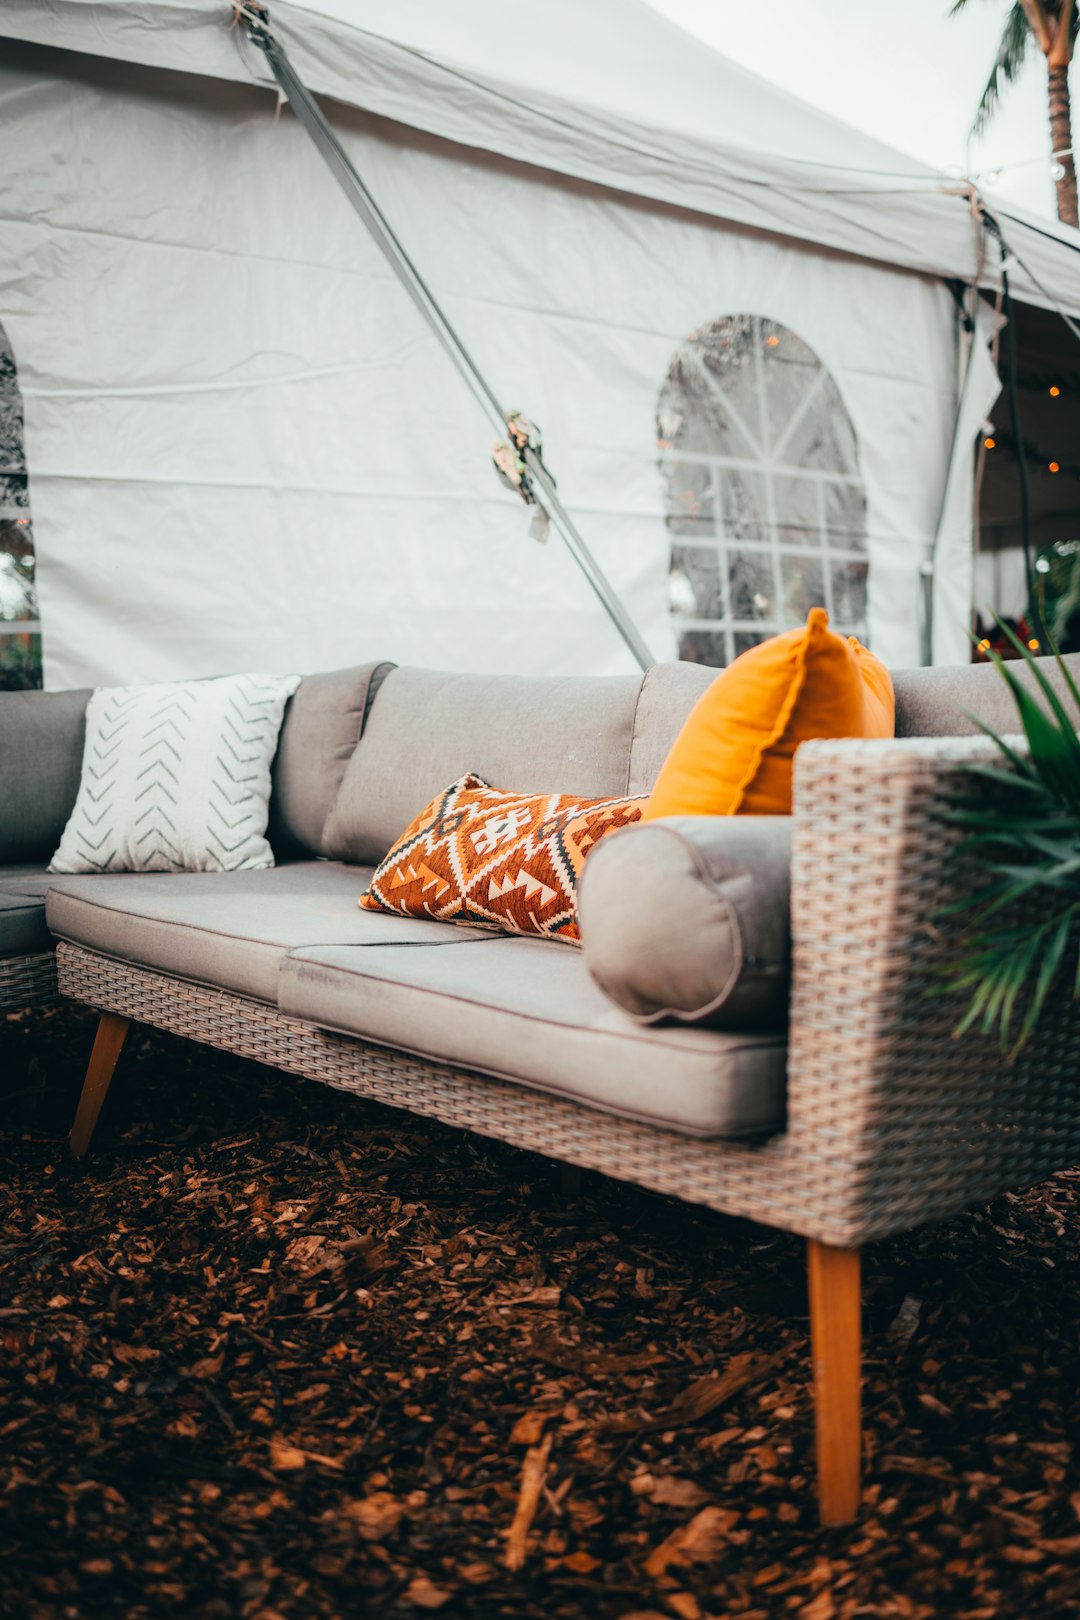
x=23, y=929
x=688, y=920
x=426, y=729
x=22, y=926
x=26, y=878
x=228, y=929
x=526, y=1010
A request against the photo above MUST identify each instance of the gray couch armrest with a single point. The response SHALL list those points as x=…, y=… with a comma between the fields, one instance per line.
x=686, y=920
x=41, y=749
x=905, y=1120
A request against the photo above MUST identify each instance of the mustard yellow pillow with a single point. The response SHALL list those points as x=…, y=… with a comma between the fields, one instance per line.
x=734, y=755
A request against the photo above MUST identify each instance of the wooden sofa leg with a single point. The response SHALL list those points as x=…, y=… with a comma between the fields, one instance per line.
x=834, y=1337
x=111, y=1033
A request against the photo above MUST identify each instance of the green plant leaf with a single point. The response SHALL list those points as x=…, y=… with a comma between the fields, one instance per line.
x=1021, y=764
x=1066, y=725
x=1051, y=962
x=1054, y=754
x=1018, y=970
x=1022, y=821
x=1021, y=782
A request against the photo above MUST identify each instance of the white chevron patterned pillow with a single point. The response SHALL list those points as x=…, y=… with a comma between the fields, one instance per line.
x=176, y=777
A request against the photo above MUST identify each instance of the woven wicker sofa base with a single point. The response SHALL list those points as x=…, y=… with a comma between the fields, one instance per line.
x=28, y=981
x=757, y=1181
x=811, y=1179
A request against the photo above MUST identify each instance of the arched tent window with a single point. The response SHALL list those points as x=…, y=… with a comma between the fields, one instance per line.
x=20, y=630
x=762, y=491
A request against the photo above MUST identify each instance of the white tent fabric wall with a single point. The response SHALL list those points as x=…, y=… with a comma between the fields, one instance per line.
x=245, y=449
x=954, y=560
x=1001, y=584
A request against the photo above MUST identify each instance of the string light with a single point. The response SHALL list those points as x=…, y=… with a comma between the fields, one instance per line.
x=1055, y=391
x=984, y=645
x=992, y=177
x=1037, y=456
x=1033, y=644
x=773, y=341
x=990, y=443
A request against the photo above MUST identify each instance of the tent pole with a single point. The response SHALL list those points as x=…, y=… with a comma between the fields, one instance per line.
x=958, y=447
x=311, y=118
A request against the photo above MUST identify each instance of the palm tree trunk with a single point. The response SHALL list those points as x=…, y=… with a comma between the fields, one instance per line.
x=1061, y=142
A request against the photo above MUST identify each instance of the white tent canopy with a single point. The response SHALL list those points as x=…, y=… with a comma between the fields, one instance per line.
x=244, y=448
x=604, y=90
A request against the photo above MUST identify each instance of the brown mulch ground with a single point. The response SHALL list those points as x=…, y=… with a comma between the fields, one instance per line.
x=273, y=1352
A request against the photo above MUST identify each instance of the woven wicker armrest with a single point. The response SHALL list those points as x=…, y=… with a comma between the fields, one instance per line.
x=913, y=1121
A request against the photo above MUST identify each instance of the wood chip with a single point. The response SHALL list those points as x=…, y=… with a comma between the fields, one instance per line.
x=683, y=1604
x=667, y=1491
x=822, y=1607
x=703, y=1396
x=533, y=1470
x=301, y=1346
x=700, y=1541
x=376, y=1516
x=528, y=1428
x=285, y=1457
x=425, y=1594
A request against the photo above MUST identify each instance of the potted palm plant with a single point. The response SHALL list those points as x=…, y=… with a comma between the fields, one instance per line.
x=1020, y=939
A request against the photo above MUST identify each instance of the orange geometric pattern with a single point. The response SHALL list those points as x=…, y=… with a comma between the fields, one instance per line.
x=492, y=859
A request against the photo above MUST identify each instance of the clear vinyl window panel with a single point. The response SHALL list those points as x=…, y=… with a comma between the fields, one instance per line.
x=763, y=498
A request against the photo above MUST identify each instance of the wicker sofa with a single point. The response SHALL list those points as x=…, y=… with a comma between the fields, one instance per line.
x=849, y=1117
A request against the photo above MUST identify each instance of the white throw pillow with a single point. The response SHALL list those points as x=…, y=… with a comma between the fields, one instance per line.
x=176, y=777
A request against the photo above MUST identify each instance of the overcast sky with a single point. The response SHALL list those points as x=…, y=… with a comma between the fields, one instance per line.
x=909, y=74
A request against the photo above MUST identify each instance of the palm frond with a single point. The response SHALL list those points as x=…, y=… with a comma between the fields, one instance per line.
x=1053, y=955
x=1014, y=45
x=1018, y=762
x=1068, y=736
x=1022, y=820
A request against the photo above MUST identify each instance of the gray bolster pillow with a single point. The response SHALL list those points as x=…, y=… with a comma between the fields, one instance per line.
x=688, y=920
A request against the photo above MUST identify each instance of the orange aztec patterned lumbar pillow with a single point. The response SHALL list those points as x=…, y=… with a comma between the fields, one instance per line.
x=493, y=859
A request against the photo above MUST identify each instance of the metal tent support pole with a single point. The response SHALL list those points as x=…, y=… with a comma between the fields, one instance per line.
x=307, y=112
x=1007, y=310
x=958, y=447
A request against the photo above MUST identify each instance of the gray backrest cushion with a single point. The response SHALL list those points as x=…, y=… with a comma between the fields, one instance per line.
x=687, y=920
x=531, y=735
x=41, y=749
x=322, y=726
x=931, y=702
x=668, y=693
